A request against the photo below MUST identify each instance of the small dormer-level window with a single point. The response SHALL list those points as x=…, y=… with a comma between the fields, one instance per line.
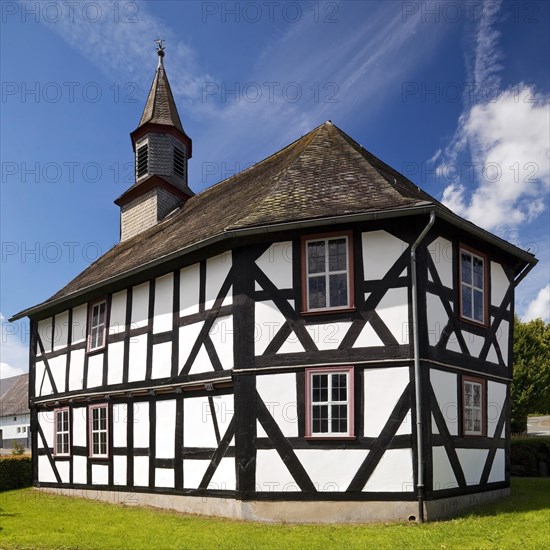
x=97, y=324
x=142, y=160
x=473, y=286
x=179, y=162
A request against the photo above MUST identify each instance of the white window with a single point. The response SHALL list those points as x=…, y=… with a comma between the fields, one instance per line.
x=98, y=431
x=24, y=429
x=18, y=429
x=473, y=406
x=61, y=432
x=329, y=402
x=472, y=286
x=96, y=325
x=327, y=274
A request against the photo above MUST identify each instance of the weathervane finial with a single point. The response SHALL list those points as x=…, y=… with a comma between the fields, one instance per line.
x=160, y=49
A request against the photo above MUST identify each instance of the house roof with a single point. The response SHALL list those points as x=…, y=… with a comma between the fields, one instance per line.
x=15, y=400
x=323, y=175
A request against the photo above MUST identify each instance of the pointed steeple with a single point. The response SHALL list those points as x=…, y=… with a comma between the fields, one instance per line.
x=162, y=149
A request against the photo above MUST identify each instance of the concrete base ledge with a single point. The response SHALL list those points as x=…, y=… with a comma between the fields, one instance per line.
x=290, y=511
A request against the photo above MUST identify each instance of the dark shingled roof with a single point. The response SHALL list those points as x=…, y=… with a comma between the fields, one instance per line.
x=160, y=107
x=321, y=175
x=15, y=400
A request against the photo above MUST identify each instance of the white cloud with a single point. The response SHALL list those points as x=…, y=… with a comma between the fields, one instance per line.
x=539, y=307
x=14, y=352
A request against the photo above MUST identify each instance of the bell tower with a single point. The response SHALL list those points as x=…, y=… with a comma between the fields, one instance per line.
x=162, y=150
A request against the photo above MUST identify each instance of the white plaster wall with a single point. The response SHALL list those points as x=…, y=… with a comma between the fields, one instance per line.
x=276, y=263
x=198, y=427
x=367, y=338
x=382, y=389
x=202, y=362
x=496, y=395
x=503, y=335
x=437, y=317
x=95, y=370
x=45, y=419
x=224, y=476
x=472, y=462
x=100, y=474
x=217, y=269
x=45, y=332
x=394, y=472
x=444, y=385
x=120, y=466
x=115, y=362
x=474, y=343
x=188, y=335
x=79, y=427
x=61, y=332
x=443, y=475
x=165, y=428
x=331, y=470
x=268, y=321
x=224, y=409
x=291, y=345
x=140, y=305
x=278, y=392
x=164, y=290
x=272, y=473
x=76, y=370
x=164, y=477
x=380, y=252
x=441, y=251
x=39, y=376
x=58, y=368
x=193, y=472
x=221, y=335
x=79, y=323
x=79, y=469
x=141, y=471
x=117, y=315
x=63, y=467
x=138, y=358
x=45, y=471
x=499, y=284
x=328, y=335
x=162, y=360
x=9, y=426
x=189, y=290
x=141, y=424
x=498, y=470
x=394, y=311
x=120, y=424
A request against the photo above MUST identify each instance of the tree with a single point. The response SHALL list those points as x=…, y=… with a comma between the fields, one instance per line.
x=531, y=381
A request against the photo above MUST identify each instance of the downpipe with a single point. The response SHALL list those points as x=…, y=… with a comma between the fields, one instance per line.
x=417, y=373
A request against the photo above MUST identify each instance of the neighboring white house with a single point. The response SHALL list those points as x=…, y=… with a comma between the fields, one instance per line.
x=312, y=339
x=15, y=416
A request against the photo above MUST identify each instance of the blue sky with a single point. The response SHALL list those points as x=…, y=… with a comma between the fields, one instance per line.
x=455, y=95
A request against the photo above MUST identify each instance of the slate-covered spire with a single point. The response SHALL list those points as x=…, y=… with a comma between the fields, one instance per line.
x=162, y=149
x=160, y=107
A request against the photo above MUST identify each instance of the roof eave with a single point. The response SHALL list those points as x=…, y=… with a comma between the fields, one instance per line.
x=420, y=208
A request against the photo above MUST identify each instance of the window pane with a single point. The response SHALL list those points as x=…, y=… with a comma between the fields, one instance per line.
x=337, y=253
x=102, y=313
x=339, y=420
x=467, y=395
x=478, y=306
x=339, y=391
x=338, y=290
x=316, y=257
x=317, y=292
x=467, y=302
x=320, y=387
x=478, y=272
x=476, y=421
x=466, y=262
x=320, y=418
x=476, y=395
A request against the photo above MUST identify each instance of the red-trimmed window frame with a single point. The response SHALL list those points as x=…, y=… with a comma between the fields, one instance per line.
x=473, y=252
x=91, y=306
x=91, y=430
x=305, y=239
x=56, y=451
x=309, y=434
x=483, y=383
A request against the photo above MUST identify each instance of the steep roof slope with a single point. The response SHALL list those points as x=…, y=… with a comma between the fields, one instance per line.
x=15, y=400
x=323, y=174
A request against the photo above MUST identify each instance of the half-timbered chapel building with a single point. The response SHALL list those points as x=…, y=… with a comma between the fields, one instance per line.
x=312, y=339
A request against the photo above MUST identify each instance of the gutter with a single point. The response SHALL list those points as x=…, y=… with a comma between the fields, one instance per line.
x=422, y=208
x=417, y=372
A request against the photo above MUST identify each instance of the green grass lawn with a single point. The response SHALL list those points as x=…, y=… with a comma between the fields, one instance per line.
x=31, y=519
